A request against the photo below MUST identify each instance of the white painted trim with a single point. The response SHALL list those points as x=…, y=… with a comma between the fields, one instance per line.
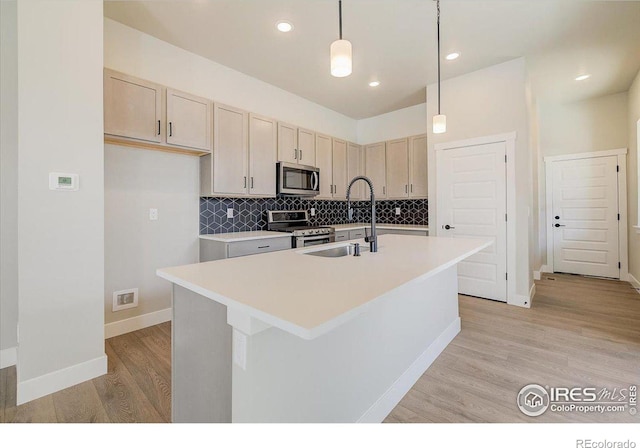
x=524, y=301
x=8, y=357
x=497, y=138
x=137, y=323
x=60, y=379
x=637, y=229
x=634, y=282
x=510, y=142
x=623, y=249
x=537, y=275
x=389, y=400
x=587, y=155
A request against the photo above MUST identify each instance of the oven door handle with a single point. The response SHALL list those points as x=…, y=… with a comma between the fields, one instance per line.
x=315, y=238
x=314, y=181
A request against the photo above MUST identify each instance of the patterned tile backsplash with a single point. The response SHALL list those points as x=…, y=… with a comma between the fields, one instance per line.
x=250, y=214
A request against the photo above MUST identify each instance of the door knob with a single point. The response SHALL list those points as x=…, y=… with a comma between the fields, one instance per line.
x=447, y=227
x=558, y=225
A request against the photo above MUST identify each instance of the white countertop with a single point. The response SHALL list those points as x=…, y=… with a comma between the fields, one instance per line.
x=309, y=296
x=244, y=236
x=361, y=225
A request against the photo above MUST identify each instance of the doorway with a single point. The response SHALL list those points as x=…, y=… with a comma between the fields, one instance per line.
x=473, y=201
x=586, y=214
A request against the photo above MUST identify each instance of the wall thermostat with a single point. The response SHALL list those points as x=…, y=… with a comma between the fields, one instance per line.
x=63, y=181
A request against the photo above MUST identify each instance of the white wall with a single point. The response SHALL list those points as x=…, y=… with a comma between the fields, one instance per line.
x=397, y=124
x=591, y=125
x=61, y=234
x=595, y=124
x=8, y=177
x=139, y=54
x=135, y=181
x=488, y=102
x=633, y=169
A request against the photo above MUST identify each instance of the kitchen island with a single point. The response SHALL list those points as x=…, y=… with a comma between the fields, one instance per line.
x=292, y=337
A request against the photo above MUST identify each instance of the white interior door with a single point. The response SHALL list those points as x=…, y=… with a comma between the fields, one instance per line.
x=585, y=216
x=471, y=202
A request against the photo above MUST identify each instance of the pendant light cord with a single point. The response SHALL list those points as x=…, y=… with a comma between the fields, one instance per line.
x=340, y=14
x=438, y=6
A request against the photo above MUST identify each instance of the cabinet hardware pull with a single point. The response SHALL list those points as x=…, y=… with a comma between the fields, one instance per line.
x=251, y=182
x=406, y=189
x=170, y=129
x=245, y=181
x=295, y=154
x=263, y=247
x=411, y=188
x=384, y=190
x=300, y=153
x=158, y=127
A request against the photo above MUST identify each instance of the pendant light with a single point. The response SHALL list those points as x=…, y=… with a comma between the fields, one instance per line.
x=440, y=120
x=341, y=61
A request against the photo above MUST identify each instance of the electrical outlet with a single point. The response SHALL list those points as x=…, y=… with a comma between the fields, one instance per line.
x=153, y=214
x=125, y=299
x=229, y=213
x=397, y=211
x=312, y=211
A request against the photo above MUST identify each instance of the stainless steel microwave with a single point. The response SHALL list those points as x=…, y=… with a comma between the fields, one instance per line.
x=297, y=180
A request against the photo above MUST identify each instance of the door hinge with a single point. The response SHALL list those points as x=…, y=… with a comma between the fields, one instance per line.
x=618, y=216
x=505, y=217
x=505, y=158
x=506, y=276
x=619, y=265
x=617, y=168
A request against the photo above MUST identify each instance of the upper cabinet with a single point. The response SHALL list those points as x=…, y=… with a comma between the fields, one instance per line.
x=397, y=160
x=324, y=162
x=132, y=107
x=296, y=145
x=418, y=187
x=355, y=167
x=230, y=150
x=263, y=154
x=137, y=113
x=188, y=120
x=339, y=169
x=376, y=170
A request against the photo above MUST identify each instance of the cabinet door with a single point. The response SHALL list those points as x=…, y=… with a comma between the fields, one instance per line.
x=306, y=147
x=263, y=138
x=418, y=187
x=229, y=150
x=188, y=120
x=339, y=169
x=355, y=167
x=324, y=163
x=287, y=143
x=375, y=168
x=398, y=169
x=132, y=107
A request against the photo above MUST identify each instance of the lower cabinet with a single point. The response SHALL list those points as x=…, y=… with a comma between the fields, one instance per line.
x=357, y=234
x=403, y=232
x=217, y=250
x=342, y=235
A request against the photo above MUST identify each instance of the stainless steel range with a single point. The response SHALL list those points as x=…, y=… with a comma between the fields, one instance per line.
x=296, y=222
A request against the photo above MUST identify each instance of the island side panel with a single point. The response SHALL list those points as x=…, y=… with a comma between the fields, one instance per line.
x=201, y=359
x=357, y=372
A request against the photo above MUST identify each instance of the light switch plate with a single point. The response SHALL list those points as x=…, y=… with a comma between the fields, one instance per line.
x=153, y=214
x=229, y=213
x=312, y=211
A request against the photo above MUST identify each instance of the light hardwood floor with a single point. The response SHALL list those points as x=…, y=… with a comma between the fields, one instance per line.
x=579, y=332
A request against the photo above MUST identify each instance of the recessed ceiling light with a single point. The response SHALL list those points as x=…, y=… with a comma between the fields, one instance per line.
x=374, y=83
x=283, y=26
x=452, y=56
x=583, y=77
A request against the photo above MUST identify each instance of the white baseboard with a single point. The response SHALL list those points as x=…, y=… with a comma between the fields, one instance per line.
x=8, y=357
x=537, y=275
x=522, y=300
x=389, y=400
x=60, y=379
x=634, y=282
x=137, y=323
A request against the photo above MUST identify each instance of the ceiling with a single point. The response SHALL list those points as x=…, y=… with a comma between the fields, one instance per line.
x=394, y=42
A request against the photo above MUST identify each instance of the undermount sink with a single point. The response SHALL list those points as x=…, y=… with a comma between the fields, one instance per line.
x=335, y=252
